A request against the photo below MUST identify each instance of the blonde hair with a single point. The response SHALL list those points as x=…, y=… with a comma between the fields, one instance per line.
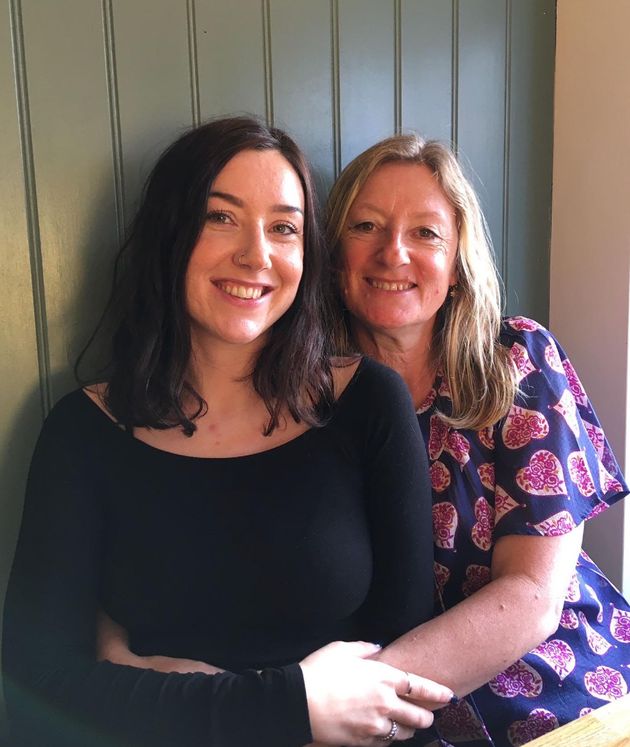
x=466, y=348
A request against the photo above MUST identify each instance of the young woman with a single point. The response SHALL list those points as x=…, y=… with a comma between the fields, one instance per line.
x=224, y=492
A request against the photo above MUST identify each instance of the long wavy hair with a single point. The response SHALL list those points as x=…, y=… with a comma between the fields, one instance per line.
x=146, y=323
x=465, y=345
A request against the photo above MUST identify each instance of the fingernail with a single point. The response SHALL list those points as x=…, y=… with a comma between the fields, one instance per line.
x=378, y=645
x=454, y=700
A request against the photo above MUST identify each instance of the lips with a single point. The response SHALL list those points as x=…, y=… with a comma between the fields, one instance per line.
x=390, y=285
x=245, y=292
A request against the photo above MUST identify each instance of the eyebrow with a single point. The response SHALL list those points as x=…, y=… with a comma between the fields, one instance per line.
x=232, y=199
x=435, y=214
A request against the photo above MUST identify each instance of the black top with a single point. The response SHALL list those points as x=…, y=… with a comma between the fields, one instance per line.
x=245, y=562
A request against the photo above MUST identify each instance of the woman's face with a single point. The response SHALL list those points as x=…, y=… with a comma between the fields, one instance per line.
x=246, y=266
x=399, y=246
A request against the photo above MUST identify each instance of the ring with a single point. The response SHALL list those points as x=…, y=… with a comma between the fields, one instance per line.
x=391, y=735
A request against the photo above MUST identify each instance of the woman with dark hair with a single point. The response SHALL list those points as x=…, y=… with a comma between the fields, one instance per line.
x=224, y=491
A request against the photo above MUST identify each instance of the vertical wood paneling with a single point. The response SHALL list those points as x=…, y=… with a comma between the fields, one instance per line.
x=150, y=115
x=531, y=146
x=481, y=105
x=73, y=168
x=20, y=400
x=231, y=57
x=427, y=57
x=301, y=43
x=367, y=65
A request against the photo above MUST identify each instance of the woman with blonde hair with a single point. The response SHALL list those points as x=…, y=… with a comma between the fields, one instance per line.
x=530, y=627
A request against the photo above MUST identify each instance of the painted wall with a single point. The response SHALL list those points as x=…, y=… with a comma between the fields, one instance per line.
x=590, y=254
x=90, y=92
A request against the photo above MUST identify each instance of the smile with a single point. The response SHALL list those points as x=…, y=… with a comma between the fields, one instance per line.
x=247, y=292
x=388, y=285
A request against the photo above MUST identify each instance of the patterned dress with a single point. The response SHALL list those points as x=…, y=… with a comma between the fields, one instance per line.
x=541, y=470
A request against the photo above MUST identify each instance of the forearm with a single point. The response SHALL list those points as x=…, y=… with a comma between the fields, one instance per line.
x=479, y=637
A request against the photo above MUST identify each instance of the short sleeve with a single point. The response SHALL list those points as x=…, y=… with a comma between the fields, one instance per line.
x=554, y=467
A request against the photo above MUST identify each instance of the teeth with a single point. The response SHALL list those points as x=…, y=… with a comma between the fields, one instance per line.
x=240, y=291
x=384, y=285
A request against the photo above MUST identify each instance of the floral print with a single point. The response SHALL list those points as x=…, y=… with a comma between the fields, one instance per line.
x=541, y=470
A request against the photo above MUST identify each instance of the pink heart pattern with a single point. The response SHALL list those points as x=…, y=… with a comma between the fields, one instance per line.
x=481, y=532
x=503, y=504
x=539, y=721
x=553, y=358
x=517, y=679
x=558, y=654
x=597, y=643
x=607, y=481
x=444, y=525
x=575, y=385
x=442, y=575
x=596, y=437
x=458, y=447
x=556, y=525
x=569, y=620
x=620, y=625
x=486, y=436
x=605, y=683
x=486, y=475
x=523, y=324
x=567, y=408
x=477, y=576
x=585, y=711
x=599, y=509
x=580, y=473
x=427, y=402
x=543, y=475
x=521, y=426
x=573, y=592
x=440, y=476
x=438, y=432
x=595, y=598
x=458, y=723
x=522, y=361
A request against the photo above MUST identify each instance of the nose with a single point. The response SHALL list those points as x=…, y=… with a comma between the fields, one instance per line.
x=256, y=252
x=394, y=252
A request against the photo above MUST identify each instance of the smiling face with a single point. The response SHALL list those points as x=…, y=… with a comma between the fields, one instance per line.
x=245, y=269
x=399, y=249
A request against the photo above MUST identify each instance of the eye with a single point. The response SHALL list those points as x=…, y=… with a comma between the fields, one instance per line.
x=365, y=226
x=219, y=217
x=427, y=233
x=285, y=229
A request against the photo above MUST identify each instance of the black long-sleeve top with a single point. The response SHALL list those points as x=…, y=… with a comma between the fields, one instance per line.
x=249, y=563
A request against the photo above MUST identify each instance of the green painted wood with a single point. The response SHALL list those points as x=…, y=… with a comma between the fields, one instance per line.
x=73, y=168
x=20, y=396
x=427, y=62
x=149, y=115
x=231, y=57
x=480, y=125
x=530, y=156
x=367, y=74
x=302, y=51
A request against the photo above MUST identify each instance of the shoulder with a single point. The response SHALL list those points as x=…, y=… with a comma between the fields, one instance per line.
x=73, y=413
x=529, y=340
x=376, y=388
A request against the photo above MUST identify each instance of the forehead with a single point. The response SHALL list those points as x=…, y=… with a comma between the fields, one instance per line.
x=410, y=186
x=259, y=174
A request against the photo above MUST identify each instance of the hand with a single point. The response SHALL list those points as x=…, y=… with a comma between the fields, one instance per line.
x=112, y=644
x=353, y=700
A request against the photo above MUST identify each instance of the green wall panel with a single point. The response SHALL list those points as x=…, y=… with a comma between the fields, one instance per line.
x=302, y=51
x=231, y=57
x=367, y=65
x=71, y=135
x=427, y=67
x=20, y=396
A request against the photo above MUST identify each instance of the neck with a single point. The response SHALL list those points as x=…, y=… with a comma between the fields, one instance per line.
x=408, y=352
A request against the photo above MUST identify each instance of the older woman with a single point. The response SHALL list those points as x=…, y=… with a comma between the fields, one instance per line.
x=518, y=459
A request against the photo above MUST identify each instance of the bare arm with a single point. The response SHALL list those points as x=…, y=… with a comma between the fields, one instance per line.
x=516, y=611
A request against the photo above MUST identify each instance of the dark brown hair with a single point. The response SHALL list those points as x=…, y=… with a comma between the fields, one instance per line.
x=150, y=347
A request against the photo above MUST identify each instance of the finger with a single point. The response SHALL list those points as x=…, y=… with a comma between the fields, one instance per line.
x=361, y=649
x=422, y=689
x=411, y=715
x=390, y=733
